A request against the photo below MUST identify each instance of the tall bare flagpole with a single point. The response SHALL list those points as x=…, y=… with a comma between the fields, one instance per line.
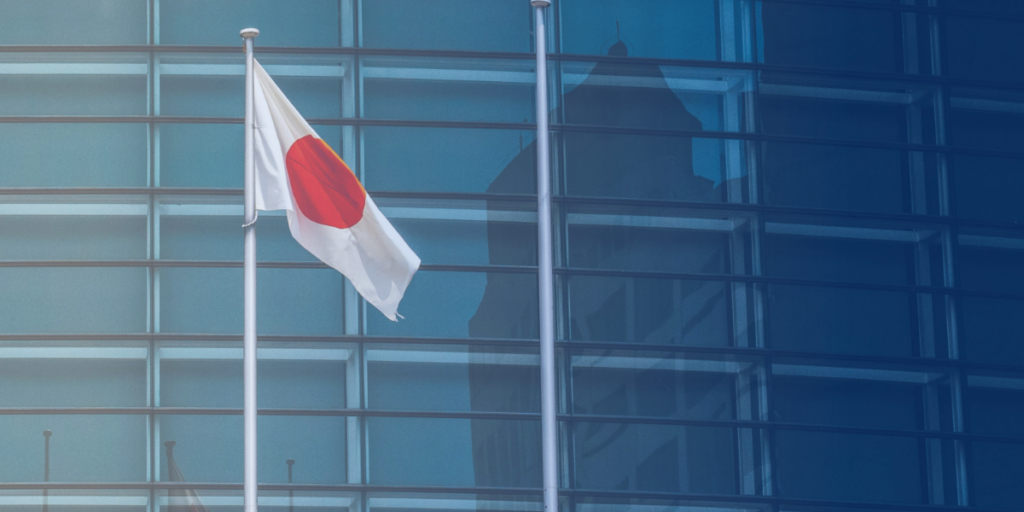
x=249, y=328
x=545, y=282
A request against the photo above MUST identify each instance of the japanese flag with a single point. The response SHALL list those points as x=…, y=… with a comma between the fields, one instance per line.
x=329, y=212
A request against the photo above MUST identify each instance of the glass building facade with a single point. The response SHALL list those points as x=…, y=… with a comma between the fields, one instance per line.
x=789, y=256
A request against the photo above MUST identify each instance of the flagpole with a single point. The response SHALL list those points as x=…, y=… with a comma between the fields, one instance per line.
x=249, y=271
x=545, y=282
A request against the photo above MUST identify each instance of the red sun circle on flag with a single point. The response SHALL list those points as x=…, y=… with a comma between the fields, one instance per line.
x=325, y=189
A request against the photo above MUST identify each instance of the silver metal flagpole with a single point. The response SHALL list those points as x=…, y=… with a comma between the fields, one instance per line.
x=545, y=282
x=249, y=328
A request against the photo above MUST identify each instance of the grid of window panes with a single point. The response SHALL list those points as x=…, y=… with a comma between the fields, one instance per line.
x=788, y=256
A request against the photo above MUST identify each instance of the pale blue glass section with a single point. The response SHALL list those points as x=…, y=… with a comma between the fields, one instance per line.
x=78, y=22
x=72, y=237
x=74, y=155
x=290, y=301
x=198, y=237
x=85, y=300
x=472, y=25
x=84, y=448
x=73, y=94
x=73, y=382
x=224, y=96
x=200, y=22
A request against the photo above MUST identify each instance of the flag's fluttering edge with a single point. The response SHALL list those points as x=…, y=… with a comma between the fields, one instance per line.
x=329, y=212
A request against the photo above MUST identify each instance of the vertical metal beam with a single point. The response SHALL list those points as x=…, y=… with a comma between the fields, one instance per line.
x=545, y=280
x=249, y=271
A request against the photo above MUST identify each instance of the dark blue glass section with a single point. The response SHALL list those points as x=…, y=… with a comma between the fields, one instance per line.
x=846, y=402
x=838, y=259
x=977, y=129
x=991, y=330
x=996, y=468
x=991, y=269
x=979, y=49
x=986, y=188
x=996, y=411
x=653, y=392
x=825, y=119
x=646, y=249
x=824, y=36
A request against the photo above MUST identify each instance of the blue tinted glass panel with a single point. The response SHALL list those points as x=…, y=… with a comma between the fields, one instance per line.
x=660, y=29
x=645, y=249
x=446, y=90
x=81, y=22
x=655, y=458
x=849, y=467
x=81, y=300
x=74, y=155
x=283, y=383
x=75, y=94
x=201, y=155
x=836, y=177
x=832, y=119
x=83, y=448
x=653, y=392
x=73, y=237
x=207, y=448
x=996, y=468
x=627, y=310
x=645, y=96
x=464, y=304
x=1008, y=7
x=847, y=321
x=320, y=458
x=996, y=412
x=834, y=259
x=463, y=379
x=224, y=96
x=307, y=23
x=495, y=25
x=651, y=167
x=484, y=453
x=200, y=237
x=990, y=269
x=49, y=380
x=422, y=159
x=991, y=330
x=978, y=49
x=846, y=402
x=831, y=37
x=291, y=301
x=987, y=188
x=455, y=242
x=996, y=130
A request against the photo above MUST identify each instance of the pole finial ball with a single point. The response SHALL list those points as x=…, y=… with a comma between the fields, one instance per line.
x=540, y=3
x=249, y=33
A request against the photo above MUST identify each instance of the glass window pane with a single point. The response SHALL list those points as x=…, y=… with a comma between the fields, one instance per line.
x=187, y=233
x=453, y=452
x=74, y=154
x=620, y=242
x=831, y=37
x=452, y=378
x=198, y=22
x=970, y=43
x=848, y=467
x=991, y=263
x=54, y=22
x=998, y=127
x=448, y=89
x=201, y=155
x=492, y=237
x=838, y=259
x=847, y=321
x=639, y=310
x=421, y=160
x=987, y=188
x=464, y=304
x=82, y=84
x=661, y=29
x=845, y=402
x=995, y=470
x=75, y=300
x=655, y=458
x=83, y=447
x=830, y=119
x=991, y=330
x=841, y=178
x=659, y=167
x=651, y=96
x=289, y=377
x=996, y=411
x=107, y=376
x=492, y=26
x=291, y=301
x=70, y=235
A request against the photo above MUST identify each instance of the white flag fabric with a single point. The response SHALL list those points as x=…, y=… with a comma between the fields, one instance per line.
x=329, y=212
